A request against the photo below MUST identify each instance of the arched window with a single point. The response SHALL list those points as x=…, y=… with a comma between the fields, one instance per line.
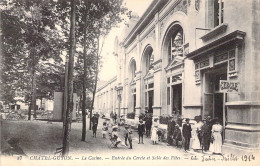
x=175, y=47
x=150, y=60
x=132, y=69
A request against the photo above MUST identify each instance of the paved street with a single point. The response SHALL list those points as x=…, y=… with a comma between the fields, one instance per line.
x=39, y=138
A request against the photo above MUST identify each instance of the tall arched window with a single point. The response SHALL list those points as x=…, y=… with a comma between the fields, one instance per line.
x=175, y=47
x=150, y=60
x=132, y=69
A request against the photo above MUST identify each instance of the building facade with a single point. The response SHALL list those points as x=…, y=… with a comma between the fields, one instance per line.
x=175, y=56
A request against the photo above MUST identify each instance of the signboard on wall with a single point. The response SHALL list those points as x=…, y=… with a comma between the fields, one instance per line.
x=229, y=86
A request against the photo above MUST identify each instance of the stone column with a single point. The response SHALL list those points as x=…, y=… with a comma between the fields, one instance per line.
x=138, y=96
x=157, y=70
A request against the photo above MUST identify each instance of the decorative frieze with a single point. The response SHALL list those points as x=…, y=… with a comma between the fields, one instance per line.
x=221, y=57
x=177, y=79
x=180, y=5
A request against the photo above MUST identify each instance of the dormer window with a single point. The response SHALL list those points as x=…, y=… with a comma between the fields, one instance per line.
x=175, y=47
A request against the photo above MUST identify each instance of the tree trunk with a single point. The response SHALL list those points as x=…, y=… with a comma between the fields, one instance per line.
x=65, y=150
x=29, y=110
x=84, y=128
x=95, y=84
x=34, y=92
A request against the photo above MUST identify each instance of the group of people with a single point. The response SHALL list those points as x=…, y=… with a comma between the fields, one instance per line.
x=205, y=135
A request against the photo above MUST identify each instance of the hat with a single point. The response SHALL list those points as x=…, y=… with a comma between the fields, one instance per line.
x=115, y=127
x=141, y=121
x=187, y=119
x=13, y=141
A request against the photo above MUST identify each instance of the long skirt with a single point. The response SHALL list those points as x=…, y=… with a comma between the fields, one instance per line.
x=195, y=142
x=217, y=143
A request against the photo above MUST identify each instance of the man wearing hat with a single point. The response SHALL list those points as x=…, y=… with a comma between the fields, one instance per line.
x=206, y=133
x=186, y=131
x=141, y=130
x=170, y=130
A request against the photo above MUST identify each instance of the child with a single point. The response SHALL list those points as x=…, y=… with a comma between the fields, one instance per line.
x=115, y=135
x=177, y=136
x=104, y=129
x=126, y=134
x=141, y=131
x=154, y=136
x=94, y=128
x=130, y=137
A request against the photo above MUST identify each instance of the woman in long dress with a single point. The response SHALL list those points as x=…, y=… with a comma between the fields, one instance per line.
x=195, y=138
x=216, y=146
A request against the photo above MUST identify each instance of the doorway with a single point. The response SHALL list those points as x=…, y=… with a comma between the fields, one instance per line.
x=134, y=102
x=150, y=101
x=214, y=99
x=177, y=98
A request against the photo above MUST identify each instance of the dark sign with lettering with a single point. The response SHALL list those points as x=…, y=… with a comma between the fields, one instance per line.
x=229, y=86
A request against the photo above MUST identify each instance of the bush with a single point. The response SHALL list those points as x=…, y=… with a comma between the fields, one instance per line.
x=130, y=115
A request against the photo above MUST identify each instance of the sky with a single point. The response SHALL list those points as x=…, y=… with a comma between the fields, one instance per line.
x=109, y=63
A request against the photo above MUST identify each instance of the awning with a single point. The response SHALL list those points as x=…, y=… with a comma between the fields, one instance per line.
x=233, y=37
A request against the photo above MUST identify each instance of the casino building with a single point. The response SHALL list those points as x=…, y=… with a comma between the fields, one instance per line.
x=174, y=58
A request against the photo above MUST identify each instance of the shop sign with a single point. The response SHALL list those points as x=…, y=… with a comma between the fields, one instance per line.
x=229, y=86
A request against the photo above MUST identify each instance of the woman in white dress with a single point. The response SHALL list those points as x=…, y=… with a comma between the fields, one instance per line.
x=195, y=138
x=216, y=146
x=154, y=136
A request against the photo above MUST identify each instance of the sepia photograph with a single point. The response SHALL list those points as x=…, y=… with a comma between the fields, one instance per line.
x=129, y=82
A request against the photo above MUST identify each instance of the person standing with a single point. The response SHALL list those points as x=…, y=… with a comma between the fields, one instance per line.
x=206, y=135
x=126, y=134
x=170, y=130
x=104, y=129
x=141, y=131
x=186, y=130
x=154, y=136
x=216, y=134
x=177, y=135
x=130, y=137
x=115, y=117
x=94, y=129
x=148, y=126
x=195, y=131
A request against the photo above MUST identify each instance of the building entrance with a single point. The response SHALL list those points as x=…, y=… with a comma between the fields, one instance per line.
x=213, y=99
x=177, y=98
x=150, y=101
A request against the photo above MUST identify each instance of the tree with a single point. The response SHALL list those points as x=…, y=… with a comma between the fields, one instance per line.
x=99, y=17
x=69, y=110
x=34, y=40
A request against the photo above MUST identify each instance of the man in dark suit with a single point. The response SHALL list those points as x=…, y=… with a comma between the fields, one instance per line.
x=186, y=131
x=170, y=130
x=141, y=131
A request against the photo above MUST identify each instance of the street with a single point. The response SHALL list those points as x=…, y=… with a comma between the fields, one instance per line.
x=42, y=138
x=39, y=140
